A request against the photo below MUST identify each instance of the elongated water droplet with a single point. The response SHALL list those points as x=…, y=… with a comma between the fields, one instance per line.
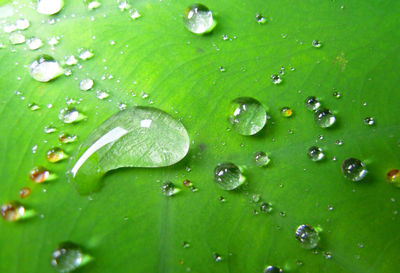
x=17, y=38
x=369, y=121
x=49, y=7
x=67, y=138
x=45, y=68
x=228, y=176
x=393, y=177
x=55, y=155
x=70, y=115
x=40, y=174
x=315, y=153
x=353, y=169
x=312, y=103
x=91, y=5
x=272, y=269
x=286, y=112
x=307, y=236
x=260, y=18
x=49, y=129
x=248, y=116
x=316, y=44
x=261, y=159
x=266, y=207
x=199, y=19
x=68, y=257
x=14, y=211
x=85, y=54
x=169, y=189
x=324, y=118
x=86, y=84
x=70, y=60
x=24, y=192
x=276, y=79
x=34, y=43
x=130, y=138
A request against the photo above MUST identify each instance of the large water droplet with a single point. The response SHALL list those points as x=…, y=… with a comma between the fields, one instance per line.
x=307, y=236
x=272, y=269
x=315, y=153
x=40, y=174
x=248, y=116
x=68, y=257
x=12, y=211
x=199, y=19
x=86, y=84
x=143, y=137
x=45, y=68
x=228, y=176
x=49, y=7
x=55, y=155
x=324, y=118
x=353, y=169
x=312, y=103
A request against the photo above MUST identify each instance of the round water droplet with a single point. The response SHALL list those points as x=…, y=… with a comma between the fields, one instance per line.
x=45, y=68
x=68, y=257
x=276, y=79
x=228, y=176
x=70, y=115
x=55, y=155
x=248, y=116
x=24, y=192
x=369, y=121
x=17, y=38
x=272, y=269
x=312, y=103
x=324, y=118
x=260, y=19
x=353, y=169
x=169, y=189
x=34, y=43
x=22, y=23
x=217, y=257
x=266, y=207
x=33, y=106
x=286, y=112
x=337, y=95
x=91, y=5
x=307, y=236
x=12, y=211
x=49, y=7
x=315, y=153
x=261, y=159
x=199, y=19
x=316, y=44
x=86, y=84
x=39, y=174
x=393, y=177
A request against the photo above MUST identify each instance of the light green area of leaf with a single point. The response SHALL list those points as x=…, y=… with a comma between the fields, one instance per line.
x=130, y=226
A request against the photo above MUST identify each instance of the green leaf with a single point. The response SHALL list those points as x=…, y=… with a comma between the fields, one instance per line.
x=130, y=225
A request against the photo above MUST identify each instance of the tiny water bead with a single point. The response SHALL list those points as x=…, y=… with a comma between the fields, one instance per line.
x=307, y=236
x=315, y=153
x=272, y=269
x=260, y=18
x=286, y=112
x=228, y=176
x=49, y=7
x=324, y=118
x=312, y=103
x=185, y=244
x=266, y=207
x=55, y=155
x=169, y=189
x=248, y=116
x=68, y=257
x=337, y=95
x=276, y=79
x=86, y=84
x=316, y=44
x=199, y=19
x=393, y=177
x=40, y=174
x=217, y=257
x=45, y=68
x=261, y=159
x=67, y=138
x=353, y=169
x=24, y=192
x=70, y=115
x=369, y=121
x=22, y=23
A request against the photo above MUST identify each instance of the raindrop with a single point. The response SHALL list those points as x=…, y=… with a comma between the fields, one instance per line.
x=124, y=5
x=70, y=115
x=337, y=95
x=67, y=138
x=85, y=54
x=14, y=211
x=286, y=112
x=68, y=257
x=199, y=19
x=315, y=153
x=91, y=5
x=9, y=28
x=17, y=38
x=393, y=177
x=327, y=255
x=312, y=103
x=324, y=118
x=316, y=44
x=260, y=19
x=49, y=7
x=22, y=24
x=49, y=129
x=45, y=68
x=222, y=199
x=276, y=79
x=70, y=60
x=266, y=207
x=217, y=257
x=34, y=43
x=101, y=95
x=53, y=41
x=369, y=121
x=169, y=189
x=24, y=192
x=248, y=116
x=261, y=159
x=40, y=174
x=228, y=176
x=33, y=106
x=307, y=236
x=185, y=244
x=55, y=155
x=135, y=14
x=353, y=169
x=86, y=84
x=272, y=269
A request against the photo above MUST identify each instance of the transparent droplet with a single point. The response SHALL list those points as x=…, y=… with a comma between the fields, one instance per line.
x=17, y=38
x=261, y=159
x=34, y=43
x=185, y=244
x=135, y=14
x=393, y=177
x=337, y=95
x=86, y=54
x=324, y=118
x=307, y=236
x=169, y=189
x=228, y=176
x=315, y=153
x=286, y=112
x=187, y=183
x=67, y=138
x=33, y=106
x=272, y=269
x=70, y=60
x=49, y=7
x=248, y=116
x=45, y=68
x=369, y=121
x=91, y=5
x=353, y=169
x=53, y=41
x=14, y=211
x=86, y=84
x=316, y=44
x=217, y=257
x=260, y=18
x=199, y=19
x=55, y=155
x=22, y=23
x=68, y=257
x=312, y=103
x=40, y=174
x=70, y=115
x=327, y=255
x=49, y=129
x=24, y=192
x=101, y=95
x=8, y=28
x=266, y=207
x=339, y=142
x=276, y=79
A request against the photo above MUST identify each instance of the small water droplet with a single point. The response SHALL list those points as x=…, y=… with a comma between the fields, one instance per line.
x=49, y=129
x=337, y=95
x=54, y=41
x=70, y=60
x=228, y=176
x=260, y=18
x=124, y=5
x=14, y=211
x=339, y=142
x=101, y=95
x=312, y=103
x=199, y=19
x=324, y=118
x=272, y=269
x=45, y=68
x=276, y=79
x=307, y=236
x=315, y=153
x=68, y=257
x=353, y=169
x=34, y=43
x=22, y=23
x=248, y=116
x=135, y=14
x=86, y=84
x=85, y=54
x=91, y=5
x=67, y=138
x=33, y=106
x=330, y=208
x=266, y=207
x=286, y=112
x=55, y=155
x=70, y=115
x=222, y=199
x=217, y=257
x=316, y=44
x=222, y=69
x=49, y=7
x=169, y=189
x=282, y=214
x=40, y=174
x=327, y=255
x=185, y=244
x=24, y=192
x=17, y=38
x=393, y=177
x=369, y=121
x=261, y=159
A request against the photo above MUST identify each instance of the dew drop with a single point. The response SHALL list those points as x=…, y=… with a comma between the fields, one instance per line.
x=228, y=176
x=70, y=115
x=260, y=18
x=312, y=103
x=91, y=5
x=315, y=153
x=70, y=60
x=135, y=14
x=276, y=79
x=169, y=189
x=199, y=19
x=55, y=155
x=45, y=68
x=22, y=23
x=339, y=142
x=17, y=38
x=24, y=192
x=217, y=257
x=101, y=95
x=14, y=211
x=369, y=121
x=266, y=207
x=324, y=118
x=261, y=159
x=34, y=43
x=124, y=5
x=272, y=269
x=33, y=106
x=316, y=44
x=49, y=7
x=85, y=54
x=68, y=257
x=86, y=84
x=307, y=236
x=393, y=177
x=40, y=174
x=185, y=244
x=353, y=169
x=222, y=199
x=49, y=129
x=337, y=95
x=248, y=116
x=67, y=138
x=286, y=112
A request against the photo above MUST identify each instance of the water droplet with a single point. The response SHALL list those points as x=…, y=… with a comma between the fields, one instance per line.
x=307, y=236
x=67, y=138
x=316, y=44
x=248, y=116
x=70, y=115
x=8, y=28
x=337, y=95
x=55, y=155
x=169, y=189
x=217, y=257
x=339, y=142
x=276, y=79
x=324, y=118
x=85, y=54
x=353, y=169
x=17, y=38
x=34, y=43
x=286, y=112
x=327, y=255
x=222, y=199
x=49, y=129
x=315, y=153
x=86, y=84
x=14, y=211
x=68, y=257
x=260, y=19
x=22, y=23
x=312, y=103
x=40, y=174
x=222, y=69
x=129, y=138
x=70, y=60
x=185, y=244
x=49, y=7
x=228, y=176
x=393, y=177
x=101, y=95
x=282, y=214
x=91, y=5
x=45, y=68
x=135, y=14
x=369, y=121
x=261, y=159
x=24, y=192
x=272, y=269
x=266, y=207
x=33, y=106
x=199, y=19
